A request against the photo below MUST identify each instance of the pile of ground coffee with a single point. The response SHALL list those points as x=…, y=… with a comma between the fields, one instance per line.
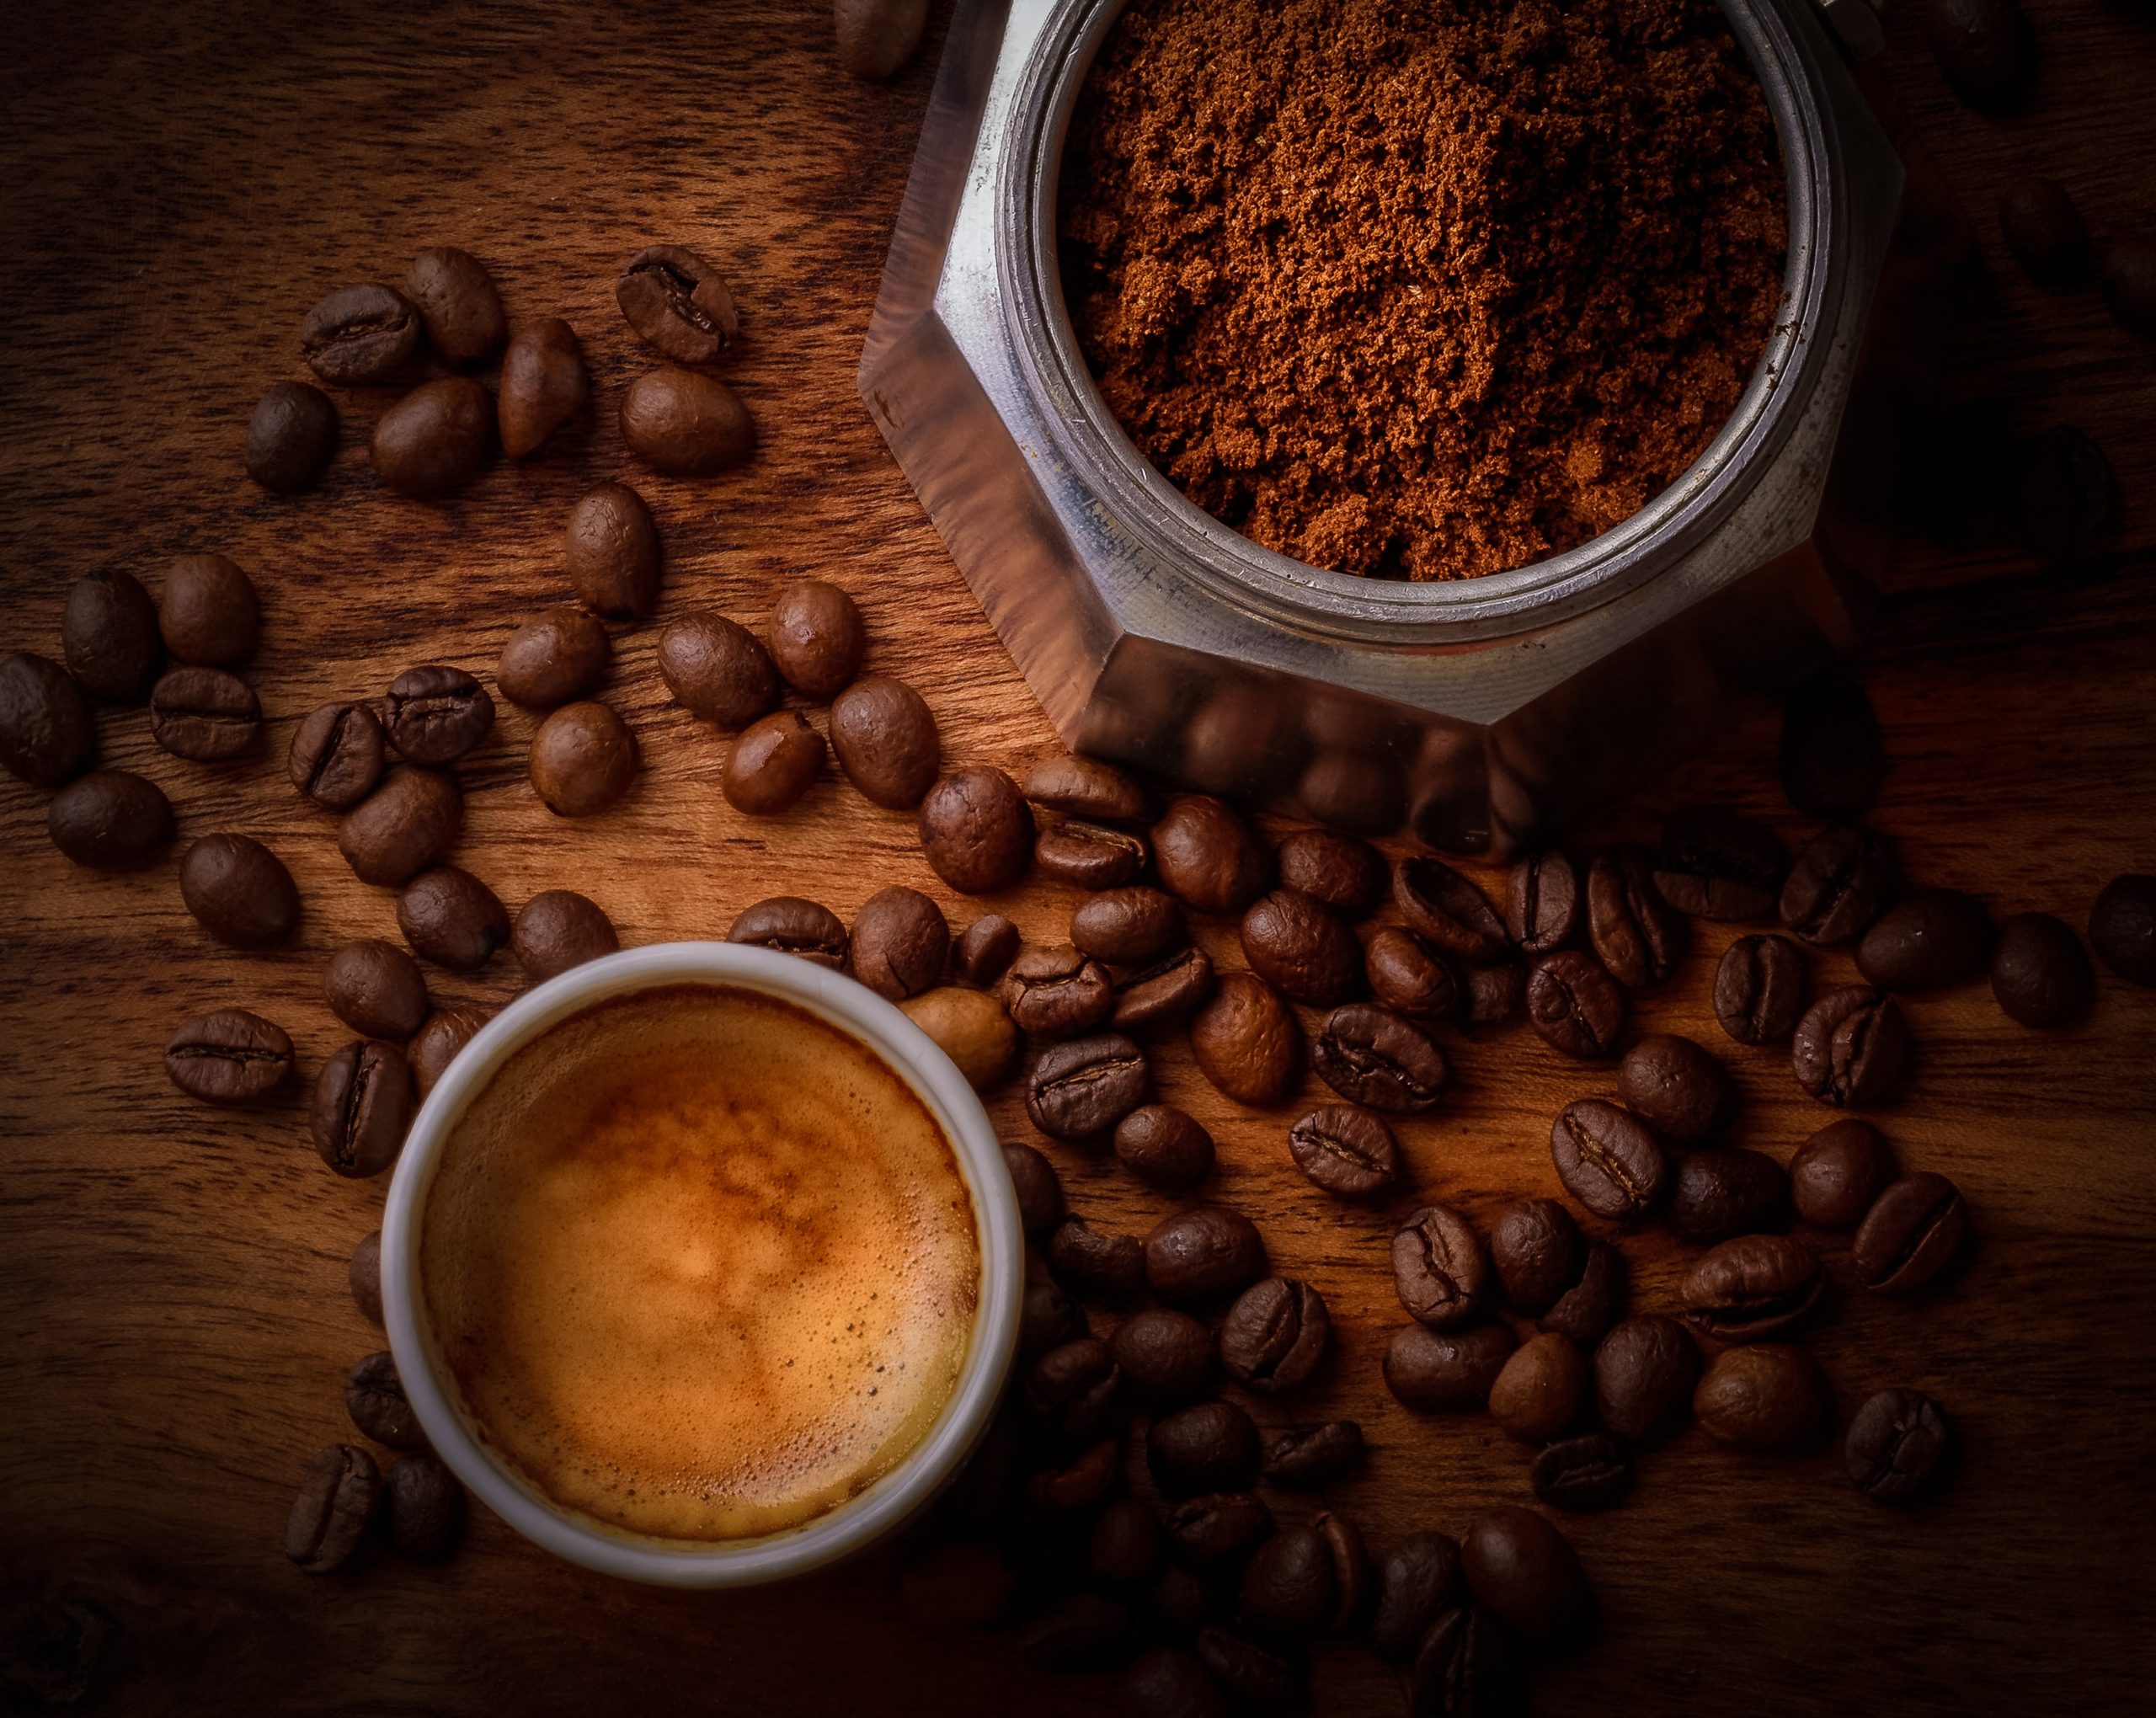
x=1422, y=288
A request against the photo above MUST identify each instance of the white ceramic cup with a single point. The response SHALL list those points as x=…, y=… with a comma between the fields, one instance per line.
x=869, y=1020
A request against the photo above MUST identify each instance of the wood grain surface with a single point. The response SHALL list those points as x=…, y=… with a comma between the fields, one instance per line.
x=178, y=182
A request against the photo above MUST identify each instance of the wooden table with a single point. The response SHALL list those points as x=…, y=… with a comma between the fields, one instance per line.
x=181, y=181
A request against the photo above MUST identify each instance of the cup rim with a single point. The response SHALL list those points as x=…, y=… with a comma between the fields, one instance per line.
x=860, y=1519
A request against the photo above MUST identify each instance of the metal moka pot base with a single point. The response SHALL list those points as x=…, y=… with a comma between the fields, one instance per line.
x=1474, y=713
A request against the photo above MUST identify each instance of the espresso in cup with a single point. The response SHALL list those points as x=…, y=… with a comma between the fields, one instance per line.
x=701, y=1266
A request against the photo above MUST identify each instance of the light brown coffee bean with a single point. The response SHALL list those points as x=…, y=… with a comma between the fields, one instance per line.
x=458, y=304
x=817, y=639
x=558, y=929
x=717, y=668
x=776, y=761
x=611, y=550
x=885, y=737
x=554, y=658
x=1246, y=1041
x=970, y=1027
x=584, y=758
x=544, y=384
x=685, y=425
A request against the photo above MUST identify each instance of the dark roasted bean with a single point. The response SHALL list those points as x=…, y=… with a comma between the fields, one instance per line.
x=435, y=439
x=111, y=819
x=1444, y=908
x=452, y=919
x=376, y=989
x=1759, y=990
x=1837, y=885
x=1207, y=857
x=2122, y=927
x=984, y=950
x=436, y=714
x=1082, y=1482
x=544, y=382
x=361, y=336
x=1678, y=1089
x=1574, y=1005
x=336, y=1506
x=1079, y=1631
x=1246, y=1041
x=1537, y=1251
x=1089, y=854
x=1166, y=1681
x=47, y=735
x=611, y=551
x=375, y=1398
x=1074, y=1388
x=1637, y=934
x=209, y=615
x=1521, y=1567
x=1913, y=1235
x=1463, y=1663
x=901, y=943
x=1275, y=1336
x=678, y=303
x=1408, y=974
x=685, y=425
x=1644, y=1371
x=1418, y=1580
x=1212, y=1447
x=556, y=657
x=229, y=1056
x=109, y=636
x=1591, y=1307
x=1446, y=1371
x=1258, y=1678
x=1108, y=1266
x=1129, y=926
x=1202, y=1254
x=1541, y=1389
x=717, y=668
x=1165, y=1147
x=1048, y=1318
x=1542, y=902
x=439, y=1042
x=2040, y=974
x=1126, y=1547
x=1342, y=872
x=336, y=756
x=885, y=736
x=1769, y=1396
x=1987, y=50
x=793, y=926
x=1167, y=1357
x=363, y=1102
x=1038, y=1188
x=1897, y=1446
x=1729, y=1191
x=776, y=761
x=1608, y=1160
x=1494, y=993
x=1085, y=787
x=2130, y=286
x=458, y=304
x=1300, y=947
x=1056, y=993
x=205, y=715
x=1716, y=865
x=1166, y=990
x=240, y=891
x=1288, y=1586
x=1439, y=1268
x=1219, y=1527
x=1373, y=1056
x=817, y=637
x=422, y=1508
x=1851, y=1048
x=363, y=1276
x=1928, y=939
x=558, y=929
x=291, y=436
x=1838, y=1172
x=977, y=830
x=1754, y=1286
x=1307, y=1456
x=1348, y=1152
x=1581, y=1474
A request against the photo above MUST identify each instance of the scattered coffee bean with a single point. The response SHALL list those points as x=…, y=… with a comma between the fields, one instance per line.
x=886, y=741
x=336, y=756
x=1348, y=1152
x=1928, y=940
x=556, y=657
x=793, y=926
x=1465, y=1661
x=363, y=1276
x=1203, y=1253
x=1897, y=1446
x=1219, y=1528
x=1109, y=1267
x=1608, y=1160
x=435, y=439
x=1752, y=1286
x=1838, y=1172
x=1290, y=1586
x=1373, y=1056
x=363, y=1103
x=1082, y=1087
x=1166, y=1681
x=229, y=1056
x=1417, y=1580
x=439, y=1040
x=205, y=715
x=457, y=304
x=1537, y=1251
x=399, y=830
x=1445, y=909
x=1081, y=1483
x=1590, y=1309
x=1340, y=871
x=817, y=639
x=612, y=551
x=2122, y=927
x=422, y=1508
x=1759, y=990
x=108, y=635
x=901, y=943
x=452, y=919
x=335, y=1508
x=977, y=830
x=1446, y=1371
x=1306, y=1458
x=1048, y=1318
x=969, y=1027
x=1057, y=993
x=1164, y=1147
x=1212, y=1447
x=1540, y=1391
x=1644, y=1371
x=1637, y=934
x=376, y=989
x=2130, y=286
x=1166, y=1356
x=1986, y=50
x=1300, y=947
x=584, y=758
x=1913, y=1235
x=1090, y=856
x=1581, y=1474
x=1675, y=1087
x=877, y=37
x=47, y=737
x=1129, y=926
x=2045, y=232
x=678, y=303
x=1494, y=994
x=1407, y=974
x=291, y=438
x=210, y=615
x=1039, y=1190
x=685, y=425
x=1831, y=760
x=375, y=1398
x=984, y=951
x=361, y=336
x=1716, y=865
x=111, y=819
x=1574, y=1005
x=1258, y=1678
x=1085, y=787
x=1166, y=989
x=1837, y=885
x=1126, y=1547
x=1851, y=1048
x=1525, y=1571
x=1768, y=1396
x=2040, y=974
x=1275, y=1336
x=1207, y=857
x=1542, y=902
x=1728, y=1191
x=240, y=891
x=1073, y=1389
x=1439, y=1268
x=716, y=668
x=436, y=714
x=1246, y=1041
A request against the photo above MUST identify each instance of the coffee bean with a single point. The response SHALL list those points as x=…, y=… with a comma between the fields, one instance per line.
x=1717, y=1193
x=612, y=551
x=1716, y=865
x=205, y=715
x=1056, y=993
x=1464, y=1662
x=1039, y=1190
x=375, y=1398
x=1086, y=788
x=1675, y=1087
x=1081, y=1483
x=584, y=758
x=1446, y=1371
x=678, y=303
x=1644, y=1371
x=1048, y=1318
x=398, y=830
x=984, y=950
x=1301, y=948
x=976, y=830
x=1445, y=909
x=901, y=943
x=793, y=926
x=109, y=634
x=1352, y=1575
x=1837, y=885
x=376, y=989
x=439, y=1040
x=1581, y=1474
x=1289, y=1585
x=1537, y=1251
x=877, y=37
x=1913, y=1235
x=1769, y=1396
x=1166, y=990
x=1407, y=974
x=435, y=439
x=1337, y=871
x=452, y=919
x=544, y=382
x=1494, y=993
x=1275, y=1336
x=2122, y=927
x=1897, y=1446
x=816, y=637
x=1637, y=934
x=1574, y=1006
x=363, y=1103
x=1212, y=1447
x=363, y=1276
x=1986, y=50
x=1258, y=1678
x=1542, y=902
x=1831, y=760
x=1608, y=1160
x=1541, y=1389
x=457, y=304
x=1090, y=856
x=2130, y=286
x=1348, y=1152
x=1305, y=1458
x=111, y=819
x=1129, y=926
x=436, y=714
x=1590, y=1309
x=1082, y=1087
x=1166, y=1681
x=240, y=891
x=1246, y=1041
x=1126, y=1547
x=776, y=761
x=1164, y=1147
x=361, y=336
x=422, y=1508
x=1754, y=1286
x=1525, y=1571
x=336, y=755
x=1203, y=1253
x=1838, y=1172
x=1372, y=1056
x=2045, y=232
x=229, y=1056
x=210, y=615
x=886, y=740
x=2066, y=496
x=557, y=656
x=685, y=425
x=716, y=668
x=336, y=1505
x=1418, y=1580
x=970, y=1028
x=1928, y=940
x=47, y=737
x=1219, y=1528
x=1073, y=1389
x=1851, y=1048
x=1439, y=1267
x=1207, y=857
x=1759, y=990
x=2040, y=974
x=291, y=438
x=1166, y=1356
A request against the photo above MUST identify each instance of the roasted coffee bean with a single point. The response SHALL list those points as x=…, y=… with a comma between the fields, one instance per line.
x=1637, y=934
x=1727, y=1191
x=1165, y=1147
x=877, y=37
x=1897, y=1446
x=229, y=1056
x=1074, y=1388
x=1850, y=1047
x=984, y=951
x=1769, y=1396
x=1446, y=1371
x=685, y=425
x=2122, y=927
x=717, y=669
x=1439, y=1269
x=612, y=551
x=556, y=657
x=1048, y=1318
x=1056, y=993
x=678, y=303
x=817, y=639
x=375, y=1398
x=774, y=762
x=2066, y=496
x=1085, y=787
x=1608, y=1160
x=977, y=830
x=2046, y=233
x=1305, y=1458
x=1207, y=857
x=240, y=891
x=205, y=715
x=1928, y=940
x=1246, y=1041
x=901, y=943
x=436, y=714
x=1913, y=1235
x=1038, y=1188
x=1337, y=871
x=47, y=737
x=1219, y=1528
x=291, y=438
x=435, y=439
x=1590, y=1309
x=1275, y=1336
x=1525, y=1571
x=1716, y=865
x=1166, y=990
x=1212, y=1447
x=439, y=1040
x=2040, y=974
x=1644, y=1371
x=1831, y=760
x=1301, y=948
x=363, y=1276
x=1418, y=1580
x=458, y=305
x=1407, y=974
x=1373, y=1056
x=1838, y=1172
x=1759, y=990
x=1290, y=1586
x=210, y=615
x=793, y=926
x=1675, y=1087
x=886, y=741
x=361, y=336
x=1465, y=1663
x=1494, y=993
x=1166, y=1681
x=1089, y=854
x=1754, y=1286
x=452, y=919
x=1129, y=926
x=1541, y=1389
x=545, y=383
x=336, y=756
x=363, y=1103
x=1105, y=1267
x=111, y=819
x=1445, y=909
x=1987, y=50
x=970, y=1028
x=376, y=989
x=1837, y=885
x=1166, y=1356
x=1537, y=1251
x=1126, y=1547
x=1574, y=1005
x=422, y=1508
x=1581, y=1474
x=1081, y=1483
x=2130, y=286
x=1348, y=1152
x=1202, y=1254
x=109, y=634
x=1542, y=902
x=584, y=758
x=335, y=1508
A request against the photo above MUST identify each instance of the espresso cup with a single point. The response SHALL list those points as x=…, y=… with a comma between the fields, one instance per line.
x=873, y=1024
